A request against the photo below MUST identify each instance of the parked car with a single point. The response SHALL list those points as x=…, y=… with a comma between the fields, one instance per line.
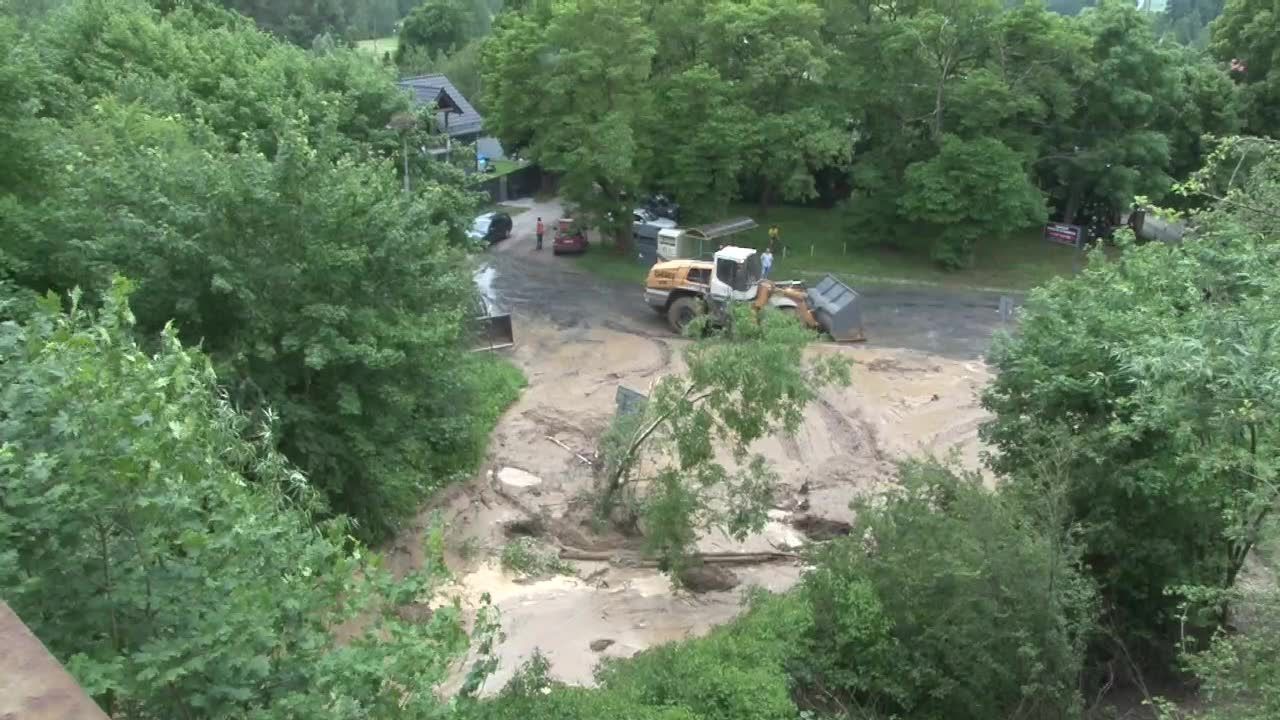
x=641, y=216
x=491, y=227
x=570, y=239
x=663, y=206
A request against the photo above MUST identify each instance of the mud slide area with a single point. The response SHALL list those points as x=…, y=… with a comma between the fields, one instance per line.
x=577, y=342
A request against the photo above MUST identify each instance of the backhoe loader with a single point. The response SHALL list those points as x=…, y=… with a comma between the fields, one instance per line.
x=685, y=289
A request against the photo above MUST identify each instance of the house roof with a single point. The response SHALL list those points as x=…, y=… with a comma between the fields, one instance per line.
x=437, y=90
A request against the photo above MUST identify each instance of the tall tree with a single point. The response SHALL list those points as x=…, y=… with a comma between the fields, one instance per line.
x=569, y=90
x=1114, y=146
x=1245, y=37
x=699, y=134
x=298, y=21
x=265, y=220
x=434, y=27
x=772, y=53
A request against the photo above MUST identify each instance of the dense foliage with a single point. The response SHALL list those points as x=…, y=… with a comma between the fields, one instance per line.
x=1144, y=390
x=949, y=122
x=264, y=218
x=435, y=26
x=1245, y=37
x=946, y=602
x=176, y=566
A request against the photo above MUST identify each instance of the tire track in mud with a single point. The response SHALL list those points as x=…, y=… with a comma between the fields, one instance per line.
x=851, y=437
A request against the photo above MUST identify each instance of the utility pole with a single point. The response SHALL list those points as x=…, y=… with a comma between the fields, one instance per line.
x=403, y=123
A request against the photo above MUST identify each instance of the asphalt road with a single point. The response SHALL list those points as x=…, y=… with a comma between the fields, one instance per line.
x=951, y=323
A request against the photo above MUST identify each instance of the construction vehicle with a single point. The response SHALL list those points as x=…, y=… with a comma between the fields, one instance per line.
x=685, y=289
x=1150, y=226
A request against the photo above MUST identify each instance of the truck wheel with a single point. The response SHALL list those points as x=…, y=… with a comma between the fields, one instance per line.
x=682, y=311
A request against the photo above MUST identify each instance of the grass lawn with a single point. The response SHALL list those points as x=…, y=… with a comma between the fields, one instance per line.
x=380, y=45
x=816, y=244
x=604, y=260
x=504, y=167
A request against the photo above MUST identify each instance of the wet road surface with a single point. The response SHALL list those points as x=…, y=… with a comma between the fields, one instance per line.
x=951, y=323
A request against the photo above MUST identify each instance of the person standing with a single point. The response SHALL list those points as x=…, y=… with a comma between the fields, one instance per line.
x=766, y=262
x=774, y=232
x=539, y=234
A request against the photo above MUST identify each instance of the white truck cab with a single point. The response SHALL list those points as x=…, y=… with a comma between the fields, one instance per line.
x=736, y=275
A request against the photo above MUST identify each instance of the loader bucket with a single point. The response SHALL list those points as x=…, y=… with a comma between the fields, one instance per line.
x=838, y=310
x=491, y=331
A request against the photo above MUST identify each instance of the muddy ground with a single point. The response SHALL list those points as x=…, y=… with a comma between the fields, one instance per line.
x=578, y=339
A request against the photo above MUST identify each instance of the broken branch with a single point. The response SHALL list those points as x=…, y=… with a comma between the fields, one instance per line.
x=566, y=447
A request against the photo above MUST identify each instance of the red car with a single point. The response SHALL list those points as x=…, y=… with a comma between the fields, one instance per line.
x=570, y=239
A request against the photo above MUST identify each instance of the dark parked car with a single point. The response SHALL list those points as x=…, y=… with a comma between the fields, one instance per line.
x=491, y=227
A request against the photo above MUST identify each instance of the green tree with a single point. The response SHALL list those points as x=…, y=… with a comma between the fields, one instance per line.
x=1187, y=21
x=435, y=26
x=1111, y=147
x=745, y=382
x=174, y=566
x=698, y=143
x=939, y=82
x=1245, y=37
x=969, y=190
x=298, y=21
x=946, y=601
x=262, y=218
x=772, y=54
x=1146, y=376
x=1238, y=670
x=569, y=90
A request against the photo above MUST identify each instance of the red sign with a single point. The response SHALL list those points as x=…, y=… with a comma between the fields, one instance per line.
x=1063, y=234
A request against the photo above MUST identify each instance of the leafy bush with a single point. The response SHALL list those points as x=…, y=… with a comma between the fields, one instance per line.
x=176, y=568
x=945, y=603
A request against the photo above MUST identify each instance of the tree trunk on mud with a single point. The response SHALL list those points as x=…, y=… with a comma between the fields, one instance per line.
x=623, y=242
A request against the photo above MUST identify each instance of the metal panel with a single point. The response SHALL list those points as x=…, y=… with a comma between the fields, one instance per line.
x=629, y=402
x=492, y=332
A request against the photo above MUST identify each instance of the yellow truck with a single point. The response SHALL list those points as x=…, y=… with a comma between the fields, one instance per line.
x=683, y=289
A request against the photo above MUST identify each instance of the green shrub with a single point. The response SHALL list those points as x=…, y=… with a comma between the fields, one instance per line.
x=944, y=603
x=527, y=558
x=736, y=673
